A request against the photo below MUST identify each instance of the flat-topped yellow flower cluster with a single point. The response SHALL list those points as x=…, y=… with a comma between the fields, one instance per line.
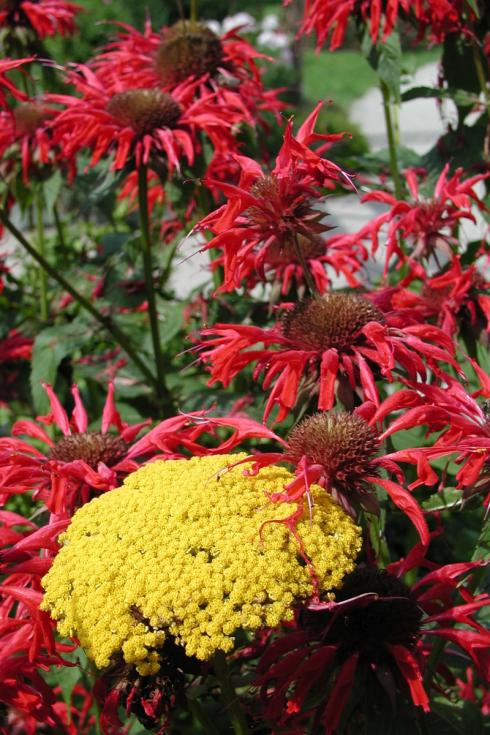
x=177, y=550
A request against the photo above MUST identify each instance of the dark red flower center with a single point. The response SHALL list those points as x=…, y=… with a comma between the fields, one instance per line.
x=284, y=252
x=333, y=320
x=91, y=447
x=144, y=109
x=28, y=117
x=394, y=618
x=343, y=443
x=188, y=50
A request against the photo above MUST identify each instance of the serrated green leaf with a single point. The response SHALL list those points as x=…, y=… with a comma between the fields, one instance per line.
x=458, y=63
x=51, y=346
x=113, y=242
x=460, y=147
x=447, y=499
x=386, y=60
x=482, y=549
x=47, y=353
x=51, y=190
x=474, y=6
x=444, y=719
x=461, y=97
x=171, y=319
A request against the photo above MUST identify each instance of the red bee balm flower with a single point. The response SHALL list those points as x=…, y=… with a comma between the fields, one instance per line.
x=74, y=466
x=270, y=224
x=134, y=123
x=44, y=17
x=5, y=66
x=377, y=629
x=455, y=299
x=426, y=224
x=336, y=337
x=463, y=426
x=326, y=17
x=26, y=126
x=338, y=452
x=190, y=51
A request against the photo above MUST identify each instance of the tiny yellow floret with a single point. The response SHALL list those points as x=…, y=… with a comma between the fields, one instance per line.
x=177, y=550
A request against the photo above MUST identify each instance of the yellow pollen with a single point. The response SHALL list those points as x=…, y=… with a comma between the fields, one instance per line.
x=177, y=551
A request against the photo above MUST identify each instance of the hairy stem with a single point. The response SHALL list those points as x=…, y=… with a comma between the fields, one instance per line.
x=236, y=714
x=93, y=675
x=378, y=540
x=163, y=394
x=41, y=246
x=120, y=337
x=202, y=717
x=194, y=14
x=392, y=145
x=434, y=657
x=306, y=271
x=480, y=72
x=59, y=230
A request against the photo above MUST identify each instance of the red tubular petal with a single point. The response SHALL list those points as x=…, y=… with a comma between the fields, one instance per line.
x=411, y=673
x=79, y=412
x=328, y=374
x=404, y=500
x=110, y=415
x=340, y=693
x=58, y=413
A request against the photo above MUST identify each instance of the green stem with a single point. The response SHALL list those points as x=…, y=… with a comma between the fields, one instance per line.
x=202, y=717
x=41, y=246
x=378, y=540
x=206, y=206
x=222, y=673
x=194, y=15
x=106, y=322
x=390, y=130
x=163, y=394
x=93, y=677
x=434, y=657
x=480, y=72
x=306, y=271
x=59, y=230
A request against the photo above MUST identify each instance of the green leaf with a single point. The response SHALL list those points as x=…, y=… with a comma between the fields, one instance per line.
x=386, y=60
x=474, y=6
x=113, y=242
x=459, y=69
x=444, y=718
x=461, y=97
x=49, y=350
x=482, y=549
x=51, y=346
x=51, y=190
x=462, y=147
x=447, y=499
x=171, y=319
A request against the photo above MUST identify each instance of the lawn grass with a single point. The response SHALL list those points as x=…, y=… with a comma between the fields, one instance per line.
x=344, y=75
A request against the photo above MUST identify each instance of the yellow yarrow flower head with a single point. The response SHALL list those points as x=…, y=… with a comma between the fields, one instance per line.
x=181, y=552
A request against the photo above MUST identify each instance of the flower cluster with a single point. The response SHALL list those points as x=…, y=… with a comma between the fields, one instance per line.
x=376, y=626
x=43, y=18
x=271, y=227
x=331, y=567
x=337, y=337
x=330, y=18
x=191, y=549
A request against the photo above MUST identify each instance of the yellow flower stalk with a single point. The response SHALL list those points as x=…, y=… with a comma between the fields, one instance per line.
x=181, y=550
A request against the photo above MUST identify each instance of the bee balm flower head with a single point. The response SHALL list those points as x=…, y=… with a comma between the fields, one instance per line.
x=188, y=50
